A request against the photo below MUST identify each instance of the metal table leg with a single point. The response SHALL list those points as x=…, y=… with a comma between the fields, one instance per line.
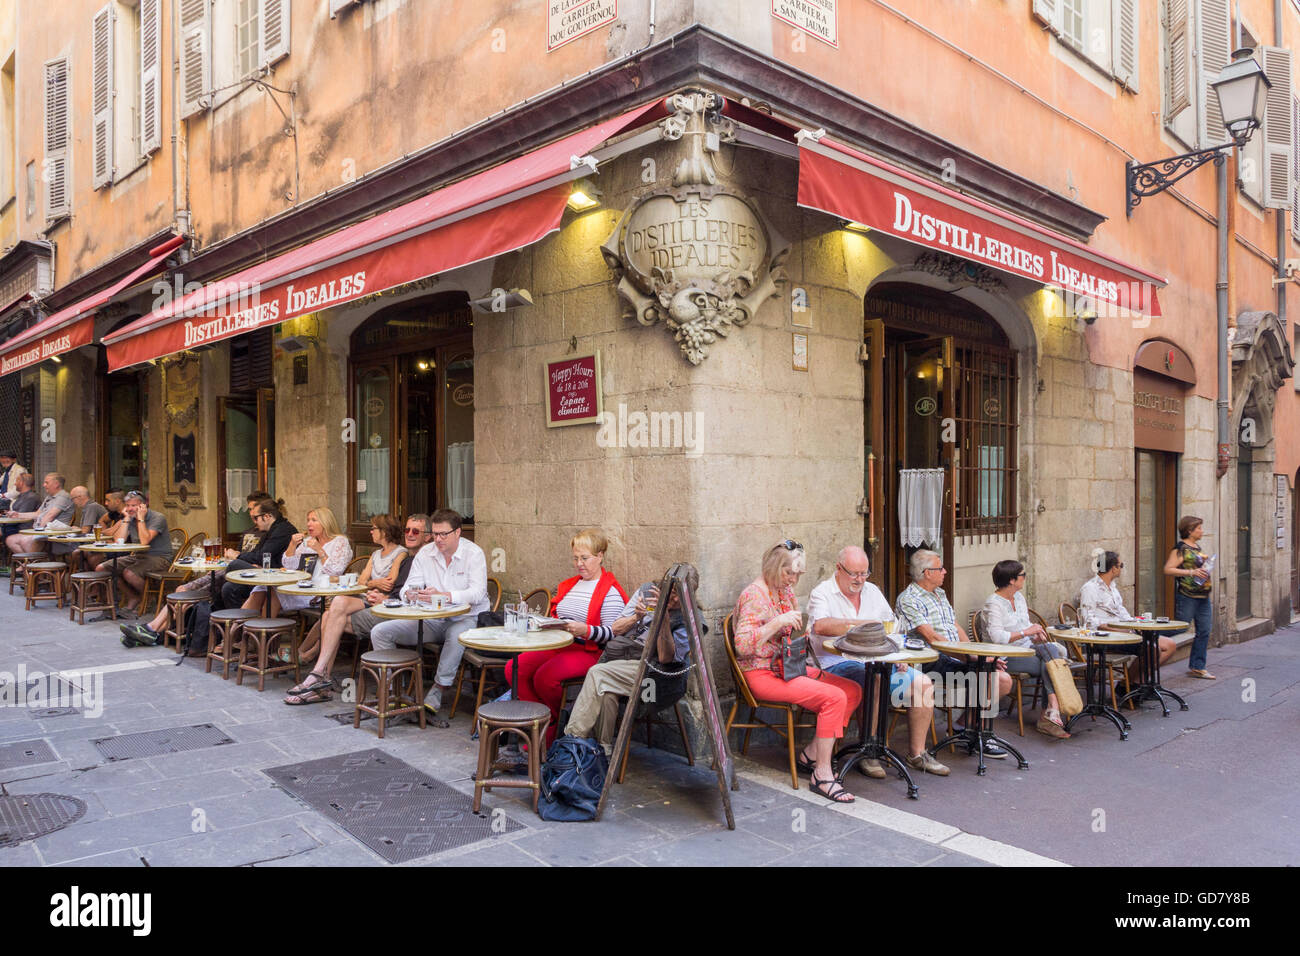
x=874, y=745
x=1149, y=688
x=1096, y=687
x=974, y=739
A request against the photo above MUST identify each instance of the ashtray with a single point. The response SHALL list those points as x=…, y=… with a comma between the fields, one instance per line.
x=248, y=574
x=913, y=644
x=392, y=603
x=1162, y=620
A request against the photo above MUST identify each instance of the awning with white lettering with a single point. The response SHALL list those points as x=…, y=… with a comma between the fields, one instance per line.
x=485, y=215
x=839, y=180
x=74, y=326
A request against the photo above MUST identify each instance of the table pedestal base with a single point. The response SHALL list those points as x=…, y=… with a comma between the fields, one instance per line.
x=1150, y=688
x=873, y=745
x=1098, y=689
x=979, y=729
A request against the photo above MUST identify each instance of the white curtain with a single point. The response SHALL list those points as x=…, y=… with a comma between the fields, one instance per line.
x=372, y=468
x=239, y=482
x=920, y=506
x=460, y=477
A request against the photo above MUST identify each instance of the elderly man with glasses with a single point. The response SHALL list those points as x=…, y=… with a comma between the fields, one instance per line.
x=840, y=603
x=923, y=610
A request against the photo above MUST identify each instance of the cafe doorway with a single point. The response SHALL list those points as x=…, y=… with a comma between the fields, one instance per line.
x=121, y=398
x=1157, y=530
x=940, y=429
x=412, y=399
x=246, y=434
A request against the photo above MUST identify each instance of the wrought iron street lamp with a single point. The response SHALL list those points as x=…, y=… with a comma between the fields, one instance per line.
x=1242, y=89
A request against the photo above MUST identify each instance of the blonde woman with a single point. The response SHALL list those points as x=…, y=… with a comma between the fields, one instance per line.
x=324, y=551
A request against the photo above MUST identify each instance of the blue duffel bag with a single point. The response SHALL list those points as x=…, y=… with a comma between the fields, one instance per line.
x=573, y=776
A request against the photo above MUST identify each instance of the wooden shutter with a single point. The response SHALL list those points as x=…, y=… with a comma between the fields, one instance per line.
x=1049, y=11
x=1295, y=176
x=57, y=159
x=1124, y=42
x=273, y=27
x=1279, y=130
x=101, y=97
x=1214, y=31
x=196, y=56
x=1178, y=90
x=150, y=76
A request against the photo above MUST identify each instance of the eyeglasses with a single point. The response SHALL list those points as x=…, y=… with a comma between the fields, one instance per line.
x=860, y=575
x=941, y=569
x=258, y=517
x=439, y=535
x=791, y=545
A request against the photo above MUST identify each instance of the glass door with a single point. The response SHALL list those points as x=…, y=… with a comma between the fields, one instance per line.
x=1244, y=489
x=1157, y=530
x=247, y=444
x=120, y=445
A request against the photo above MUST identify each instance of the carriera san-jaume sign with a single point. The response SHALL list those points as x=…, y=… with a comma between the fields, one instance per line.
x=697, y=256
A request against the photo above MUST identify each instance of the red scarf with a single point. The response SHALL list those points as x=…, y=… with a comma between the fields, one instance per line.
x=603, y=584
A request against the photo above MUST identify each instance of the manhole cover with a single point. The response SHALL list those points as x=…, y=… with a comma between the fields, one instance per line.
x=399, y=812
x=155, y=743
x=25, y=753
x=27, y=816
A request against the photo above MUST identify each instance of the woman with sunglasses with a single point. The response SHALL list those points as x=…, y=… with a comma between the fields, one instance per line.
x=766, y=614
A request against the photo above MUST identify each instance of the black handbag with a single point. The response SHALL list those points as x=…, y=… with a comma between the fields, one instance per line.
x=794, y=654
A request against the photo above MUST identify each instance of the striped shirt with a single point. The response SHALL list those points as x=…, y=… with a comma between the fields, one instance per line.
x=576, y=603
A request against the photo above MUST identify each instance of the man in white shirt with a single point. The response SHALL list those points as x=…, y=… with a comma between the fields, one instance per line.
x=843, y=601
x=456, y=569
x=1100, y=602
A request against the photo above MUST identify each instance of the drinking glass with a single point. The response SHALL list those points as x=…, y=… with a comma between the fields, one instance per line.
x=266, y=562
x=889, y=626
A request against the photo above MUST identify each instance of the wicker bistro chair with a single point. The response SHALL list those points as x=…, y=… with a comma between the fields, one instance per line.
x=1068, y=616
x=980, y=632
x=494, y=593
x=179, y=539
x=158, y=583
x=745, y=696
x=17, y=565
x=538, y=600
x=46, y=581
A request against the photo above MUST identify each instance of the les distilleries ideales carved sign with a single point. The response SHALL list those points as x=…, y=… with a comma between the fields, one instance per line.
x=696, y=256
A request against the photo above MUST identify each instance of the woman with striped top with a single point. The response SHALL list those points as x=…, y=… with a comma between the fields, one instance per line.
x=589, y=603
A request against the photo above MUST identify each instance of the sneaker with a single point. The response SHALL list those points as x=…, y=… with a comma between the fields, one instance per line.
x=992, y=750
x=872, y=769
x=1051, y=728
x=925, y=761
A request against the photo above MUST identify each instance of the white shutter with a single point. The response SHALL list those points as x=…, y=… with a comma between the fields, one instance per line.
x=273, y=26
x=150, y=77
x=1124, y=43
x=1049, y=11
x=1214, y=30
x=1279, y=130
x=196, y=56
x=57, y=200
x=101, y=97
x=336, y=6
x=1295, y=175
x=1177, y=58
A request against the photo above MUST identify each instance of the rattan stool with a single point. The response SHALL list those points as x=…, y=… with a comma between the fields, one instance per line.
x=387, y=668
x=19, y=561
x=526, y=719
x=49, y=573
x=262, y=637
x=84, y=586
x=223, y=632
x=179, y=604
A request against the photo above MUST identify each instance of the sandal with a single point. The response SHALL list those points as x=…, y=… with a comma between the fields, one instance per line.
x=312, y=695
x=830, y=789
x=321, y=681
x=802, y=763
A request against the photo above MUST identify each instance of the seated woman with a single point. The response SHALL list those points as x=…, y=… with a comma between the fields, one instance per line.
x=380, y=574
x=589, y=602
x=324, y=551
x=766, y=613
x=1101, y=603
x=1007, y=616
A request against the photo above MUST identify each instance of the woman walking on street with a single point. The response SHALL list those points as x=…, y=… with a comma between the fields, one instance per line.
x=1192, y=590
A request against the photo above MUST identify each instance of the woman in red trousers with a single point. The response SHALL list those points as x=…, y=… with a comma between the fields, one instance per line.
x=589, y=603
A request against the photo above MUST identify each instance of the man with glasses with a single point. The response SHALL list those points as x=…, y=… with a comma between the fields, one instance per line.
x=456, y=569
x=275, y=531
x=923, y=610
x=1100, y=602
x=840, y=603
x=57, y=506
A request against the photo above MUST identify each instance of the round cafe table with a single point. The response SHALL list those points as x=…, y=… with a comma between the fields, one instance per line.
x=114, y=551
x=204, y=566
x=979, y=720
x=500, y=641
x=1149, y=688
x=874, y=744
x=1096, y=683
x=270, y=579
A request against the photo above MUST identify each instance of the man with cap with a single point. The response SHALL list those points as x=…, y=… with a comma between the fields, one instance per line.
x=141, y=525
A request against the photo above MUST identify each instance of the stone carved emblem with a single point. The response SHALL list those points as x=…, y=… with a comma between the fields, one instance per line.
x=697, y=256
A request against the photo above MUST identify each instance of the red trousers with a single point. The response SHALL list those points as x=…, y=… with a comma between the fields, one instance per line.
x=834, y=699
x=542, y=672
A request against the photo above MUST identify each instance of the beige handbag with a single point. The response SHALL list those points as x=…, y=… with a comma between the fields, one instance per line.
x=1067, y=695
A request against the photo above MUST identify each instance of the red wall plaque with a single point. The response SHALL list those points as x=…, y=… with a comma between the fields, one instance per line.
x=573, y=395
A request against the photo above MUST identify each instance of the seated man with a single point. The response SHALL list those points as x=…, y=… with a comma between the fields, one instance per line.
x=141, y=525
x=595, y=712
x=923, y=610
x=9, y=472
x=113, y=505
x=840, y=603
x=336, y=621
x=57, y=506
x=87, y=515
x=456, y=569
x=25, y=500
x=1100, y=603
x=275, y=532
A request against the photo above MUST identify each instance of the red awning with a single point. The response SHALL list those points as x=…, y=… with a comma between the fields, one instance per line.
x=491, y=213
x=74, y=326
x=842, y=181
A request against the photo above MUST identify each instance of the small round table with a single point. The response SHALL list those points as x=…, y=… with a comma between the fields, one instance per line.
x=874, y=745
x=210, y=567
x=1095, y=682
x=270, y=579
x=114, y=551
x=326, y=591
x=419, y=614
x=1149, y=688
x=985, y=660
x=501, y=641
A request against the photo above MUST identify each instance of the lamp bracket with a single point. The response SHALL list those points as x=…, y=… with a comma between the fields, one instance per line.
x=1150, y=179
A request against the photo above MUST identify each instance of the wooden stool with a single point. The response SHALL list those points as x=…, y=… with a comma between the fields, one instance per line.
x=17, y=564
x=84, y=586
x=262, y=636
x=223, y=629
x=49, y=573
x=524, y=718
x=387, y=668
x=179, y=604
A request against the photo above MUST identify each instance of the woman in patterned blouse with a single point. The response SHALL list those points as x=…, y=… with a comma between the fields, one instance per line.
x=767, y=613
x=1192, y=590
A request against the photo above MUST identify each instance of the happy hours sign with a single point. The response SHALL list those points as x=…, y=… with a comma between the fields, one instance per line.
x=573, y=391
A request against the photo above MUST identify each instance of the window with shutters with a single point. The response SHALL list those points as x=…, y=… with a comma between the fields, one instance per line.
x=126, y=73
x=228, y=43
x=1250, y=159
x=1179, y=90
x=8, y=133
x=1103, y=32
x=246, y=36
x=58, y=151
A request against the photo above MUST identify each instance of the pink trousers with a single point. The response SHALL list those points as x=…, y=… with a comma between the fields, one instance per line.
x=834, y=699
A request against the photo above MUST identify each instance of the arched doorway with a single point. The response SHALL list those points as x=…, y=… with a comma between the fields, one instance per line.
x=941, y=427
x=412, y=399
